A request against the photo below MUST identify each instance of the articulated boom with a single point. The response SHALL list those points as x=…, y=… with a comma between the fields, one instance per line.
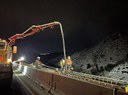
x=31, y=31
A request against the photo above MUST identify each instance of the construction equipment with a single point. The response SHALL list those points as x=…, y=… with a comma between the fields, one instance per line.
x=6, y=71
x=31, y=31
x=38, y=28
x=6, y=50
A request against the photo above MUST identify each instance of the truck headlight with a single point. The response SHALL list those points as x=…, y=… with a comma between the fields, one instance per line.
x=9, y=60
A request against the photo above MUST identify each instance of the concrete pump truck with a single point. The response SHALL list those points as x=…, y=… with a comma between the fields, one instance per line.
x=6, y=71
x=6, y=50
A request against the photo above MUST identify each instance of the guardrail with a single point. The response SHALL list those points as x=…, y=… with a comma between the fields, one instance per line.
x=59, y=84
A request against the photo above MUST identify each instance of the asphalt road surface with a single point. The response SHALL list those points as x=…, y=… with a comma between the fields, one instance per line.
x=23, y=86
x=16, y=88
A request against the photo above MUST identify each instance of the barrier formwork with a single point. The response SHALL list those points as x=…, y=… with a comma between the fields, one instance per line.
x=44, y=79
x=65, y=85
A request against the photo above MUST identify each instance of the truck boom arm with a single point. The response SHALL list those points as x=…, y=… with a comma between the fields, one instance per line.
x=31, y=31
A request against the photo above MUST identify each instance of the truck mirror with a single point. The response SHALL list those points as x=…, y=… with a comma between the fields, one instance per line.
x=14, y=49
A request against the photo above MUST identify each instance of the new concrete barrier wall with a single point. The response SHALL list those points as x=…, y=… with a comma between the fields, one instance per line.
x=64, y=85
x=69, y=86
x=44, y=79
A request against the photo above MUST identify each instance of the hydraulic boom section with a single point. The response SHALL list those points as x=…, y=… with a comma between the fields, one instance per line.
x=35, y=29
x=31, y=31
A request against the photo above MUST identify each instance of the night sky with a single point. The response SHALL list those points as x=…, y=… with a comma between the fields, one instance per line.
x=85, y=23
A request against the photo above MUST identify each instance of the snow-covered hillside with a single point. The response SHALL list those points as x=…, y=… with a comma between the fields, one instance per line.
x=103, y=57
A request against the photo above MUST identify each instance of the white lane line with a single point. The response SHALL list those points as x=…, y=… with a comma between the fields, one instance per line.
x=31, y=93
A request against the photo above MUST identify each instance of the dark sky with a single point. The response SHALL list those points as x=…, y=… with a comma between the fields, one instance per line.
x=85, y=22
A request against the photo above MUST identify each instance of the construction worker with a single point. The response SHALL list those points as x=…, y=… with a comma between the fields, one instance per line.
x=38, y=63
x=69, y=64
x=62, y=65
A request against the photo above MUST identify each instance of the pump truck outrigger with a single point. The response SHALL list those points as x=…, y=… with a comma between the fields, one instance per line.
x=6, y=50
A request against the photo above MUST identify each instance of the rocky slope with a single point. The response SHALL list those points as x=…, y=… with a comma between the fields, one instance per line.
x=108, y=54
x=119, y=72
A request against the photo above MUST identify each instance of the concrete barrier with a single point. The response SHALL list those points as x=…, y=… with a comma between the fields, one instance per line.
x=65, y=85
x=44, y=79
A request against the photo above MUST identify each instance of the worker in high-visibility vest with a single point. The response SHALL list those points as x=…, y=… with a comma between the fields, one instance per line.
x=62, y=65
x=69, y=64
x=38, y=63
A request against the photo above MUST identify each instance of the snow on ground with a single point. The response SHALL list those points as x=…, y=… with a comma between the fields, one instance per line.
x=119, y=72
x=108, y=58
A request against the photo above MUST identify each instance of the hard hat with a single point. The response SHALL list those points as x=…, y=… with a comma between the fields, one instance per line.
x=38, y=58
x=57, y=69
x=71, y=68
x=69, y=57
x=63, y=60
